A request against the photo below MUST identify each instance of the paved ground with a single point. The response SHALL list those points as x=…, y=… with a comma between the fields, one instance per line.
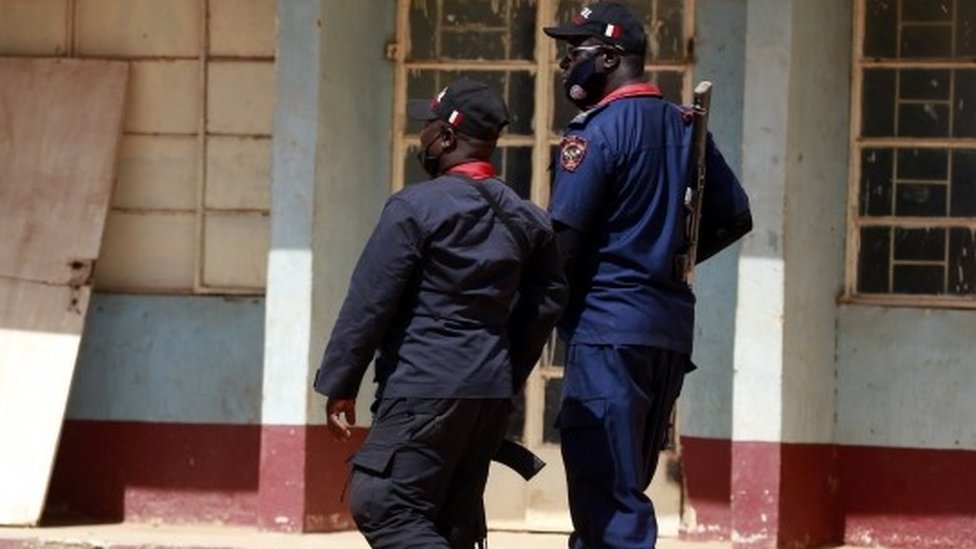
x=141, y=536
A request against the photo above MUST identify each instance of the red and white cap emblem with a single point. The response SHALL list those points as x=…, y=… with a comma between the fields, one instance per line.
x=455, y=118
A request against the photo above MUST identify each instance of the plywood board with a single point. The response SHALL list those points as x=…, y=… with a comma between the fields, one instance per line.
x=60, y=127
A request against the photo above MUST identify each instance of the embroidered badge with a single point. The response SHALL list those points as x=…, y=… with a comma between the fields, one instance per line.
x=572, y=150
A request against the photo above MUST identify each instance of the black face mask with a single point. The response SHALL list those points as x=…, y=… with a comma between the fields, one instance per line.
x=430, y=163
x=585, y=84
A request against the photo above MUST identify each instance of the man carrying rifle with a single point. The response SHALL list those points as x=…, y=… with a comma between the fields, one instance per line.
x=458, y=289
x=618, y=208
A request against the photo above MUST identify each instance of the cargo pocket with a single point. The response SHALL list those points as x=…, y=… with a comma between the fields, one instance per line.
x=375, y=459
x=384, y=437
x=371, y=486
x=583, y=438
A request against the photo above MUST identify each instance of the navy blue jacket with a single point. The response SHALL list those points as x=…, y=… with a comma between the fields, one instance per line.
x=446, y=295
x=619, y=181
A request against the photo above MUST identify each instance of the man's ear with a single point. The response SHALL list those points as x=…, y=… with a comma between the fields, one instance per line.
x=610, y=59
x=448, y=138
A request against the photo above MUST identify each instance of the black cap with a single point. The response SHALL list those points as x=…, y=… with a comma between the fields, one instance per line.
x=470, y=106
x=610, y=22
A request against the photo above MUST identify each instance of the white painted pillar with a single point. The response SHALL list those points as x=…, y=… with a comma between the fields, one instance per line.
x=790, y=271
x=288, y=320
x=330, y=177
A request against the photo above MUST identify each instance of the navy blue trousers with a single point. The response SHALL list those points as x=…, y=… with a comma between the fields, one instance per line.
x=419, y=477
x=613, y=423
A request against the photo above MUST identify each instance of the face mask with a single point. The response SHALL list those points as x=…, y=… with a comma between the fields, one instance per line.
x=585, y=85
x=430, y=163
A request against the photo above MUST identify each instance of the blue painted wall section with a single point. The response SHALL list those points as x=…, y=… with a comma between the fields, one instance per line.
x=170, y=359
x=706, y=403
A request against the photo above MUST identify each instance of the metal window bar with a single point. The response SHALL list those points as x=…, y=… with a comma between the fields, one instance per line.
x=856, y=221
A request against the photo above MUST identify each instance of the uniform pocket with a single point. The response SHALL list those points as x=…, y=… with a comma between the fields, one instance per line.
x=399, y=423
x=577, y=414
x=390, y=424
x=583, y=438
x=374, y=458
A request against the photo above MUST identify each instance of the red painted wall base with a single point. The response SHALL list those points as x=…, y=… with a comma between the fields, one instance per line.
x=272, y=476
x=292, y=478
x=807, y=495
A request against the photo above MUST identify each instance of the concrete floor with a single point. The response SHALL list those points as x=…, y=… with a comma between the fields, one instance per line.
x=148, y=536
x=145, y=536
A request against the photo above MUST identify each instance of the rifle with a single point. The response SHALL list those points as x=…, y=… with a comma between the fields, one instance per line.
x=696, y=181
x=518, y=458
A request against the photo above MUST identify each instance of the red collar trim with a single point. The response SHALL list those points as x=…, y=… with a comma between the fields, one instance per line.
x=631, y=90
x=475, y=169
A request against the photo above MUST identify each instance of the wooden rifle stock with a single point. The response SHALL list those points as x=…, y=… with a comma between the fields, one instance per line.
x=696, y=184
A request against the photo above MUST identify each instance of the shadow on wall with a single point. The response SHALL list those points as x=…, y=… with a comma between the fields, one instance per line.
x=115, y=471
x=164, y=415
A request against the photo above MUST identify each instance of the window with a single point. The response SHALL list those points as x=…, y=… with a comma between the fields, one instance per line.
x=913, y=220
x=500, y=42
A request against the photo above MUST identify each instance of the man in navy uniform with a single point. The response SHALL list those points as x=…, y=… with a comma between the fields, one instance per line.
x=618, y=210
x=457, y=289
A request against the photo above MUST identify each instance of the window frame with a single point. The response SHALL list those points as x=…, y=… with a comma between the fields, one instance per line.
x=858, y=143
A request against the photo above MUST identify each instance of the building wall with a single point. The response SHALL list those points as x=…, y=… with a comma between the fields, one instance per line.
x=189, y=212
x=331, y=177
x=865, y=420
x=705, y=405
x=167, y=406
x=170, y=392
x=905, y=380
x=164, y=417
x=166, y=401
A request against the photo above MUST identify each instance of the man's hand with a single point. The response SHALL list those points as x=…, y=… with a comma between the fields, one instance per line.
x=336, y=407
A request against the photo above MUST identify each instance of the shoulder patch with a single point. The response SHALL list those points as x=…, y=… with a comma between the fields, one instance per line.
x=572, y=149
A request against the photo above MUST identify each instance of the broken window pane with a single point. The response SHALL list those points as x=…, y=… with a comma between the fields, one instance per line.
x=472, y=29
x=924, y=84
x=927, y=10
x=926, y=29
x=928, y=119
x=962, y=261
x=876, y=167
x=966, y=29
x=964, y=107
x=920, y=200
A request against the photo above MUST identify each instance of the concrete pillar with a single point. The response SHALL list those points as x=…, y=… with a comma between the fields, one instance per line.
x=330, y=176
x=784, y=484
x=706, y=399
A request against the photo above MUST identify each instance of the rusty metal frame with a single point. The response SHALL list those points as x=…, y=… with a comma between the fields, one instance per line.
x=855, y=222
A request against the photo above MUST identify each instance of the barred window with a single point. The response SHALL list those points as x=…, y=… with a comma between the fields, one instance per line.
x=913, y=224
